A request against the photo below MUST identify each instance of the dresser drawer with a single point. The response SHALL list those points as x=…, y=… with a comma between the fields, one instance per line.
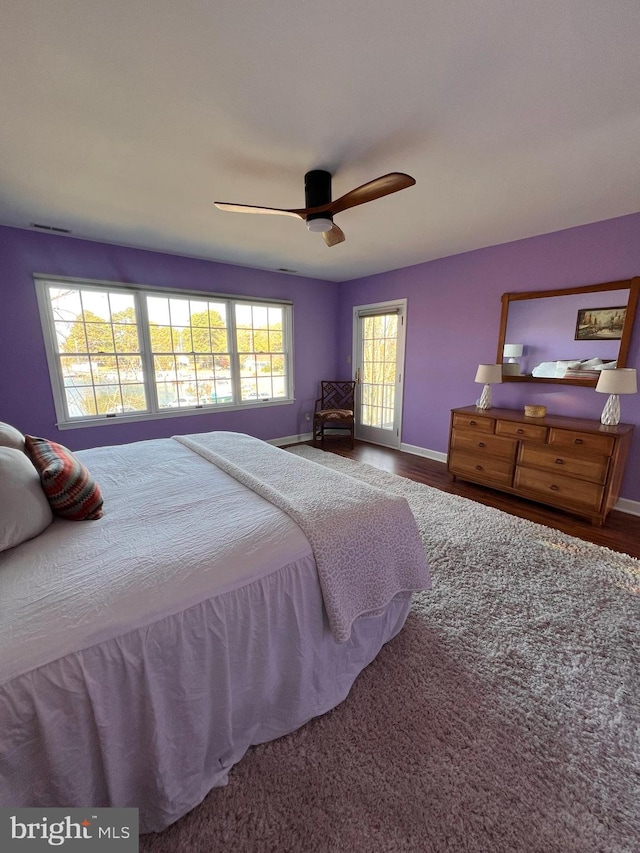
x=475, y=423
x=589, y=441
x=565, y=491
x=483, y=444
x=585, y=467
x=483, y=468
x=532, y=432
x=572, y=464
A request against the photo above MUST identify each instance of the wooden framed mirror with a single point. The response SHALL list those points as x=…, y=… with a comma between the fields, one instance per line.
x=567, y=336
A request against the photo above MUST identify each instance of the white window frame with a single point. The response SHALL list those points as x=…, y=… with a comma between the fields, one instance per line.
x=66, y=421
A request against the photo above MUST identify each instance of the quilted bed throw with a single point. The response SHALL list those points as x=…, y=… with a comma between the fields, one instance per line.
x=365, y=542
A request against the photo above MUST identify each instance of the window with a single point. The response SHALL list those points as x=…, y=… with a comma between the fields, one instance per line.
x=119, y=352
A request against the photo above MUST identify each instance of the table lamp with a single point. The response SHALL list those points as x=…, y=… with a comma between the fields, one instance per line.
x=613, y=382
x=511, y=353
x=489, y=374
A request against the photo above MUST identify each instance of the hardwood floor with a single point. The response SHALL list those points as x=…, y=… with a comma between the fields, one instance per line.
x=621, y=531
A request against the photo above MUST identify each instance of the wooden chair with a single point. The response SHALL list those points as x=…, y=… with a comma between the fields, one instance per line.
x=334, y=409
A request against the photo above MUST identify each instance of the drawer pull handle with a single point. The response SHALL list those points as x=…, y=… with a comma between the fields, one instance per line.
x=481, y=444
x=559, y=461
x=473, y=423
x=578, y=441
x=479, y=468
x=519, y=431
x=554, y=488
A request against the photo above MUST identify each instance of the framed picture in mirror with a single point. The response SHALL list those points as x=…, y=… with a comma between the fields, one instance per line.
x=597, y=324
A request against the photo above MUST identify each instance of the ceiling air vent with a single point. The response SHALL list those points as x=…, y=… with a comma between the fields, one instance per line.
x=51, y=228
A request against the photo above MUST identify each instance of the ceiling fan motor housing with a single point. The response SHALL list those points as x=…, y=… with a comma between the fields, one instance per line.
x=317, y=191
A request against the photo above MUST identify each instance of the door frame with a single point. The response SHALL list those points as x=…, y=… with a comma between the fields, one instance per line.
x=399, y=305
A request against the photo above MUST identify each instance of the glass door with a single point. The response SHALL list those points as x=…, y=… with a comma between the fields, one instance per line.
x=379, y=335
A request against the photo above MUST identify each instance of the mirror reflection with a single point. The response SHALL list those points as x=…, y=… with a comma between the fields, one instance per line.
x=567, y=335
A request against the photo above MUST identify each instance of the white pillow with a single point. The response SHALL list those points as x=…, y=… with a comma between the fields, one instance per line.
x=11, y=437
x=591, y=363
x=563, y=366
x=24, y=508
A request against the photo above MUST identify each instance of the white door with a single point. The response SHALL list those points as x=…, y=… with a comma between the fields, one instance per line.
x=379, y=334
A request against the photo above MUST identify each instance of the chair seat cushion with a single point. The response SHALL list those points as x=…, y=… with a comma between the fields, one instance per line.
x=334, y=414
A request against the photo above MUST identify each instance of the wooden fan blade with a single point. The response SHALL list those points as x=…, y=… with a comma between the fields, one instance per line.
x=250, y=208
x=333, y=237
x=372, y=190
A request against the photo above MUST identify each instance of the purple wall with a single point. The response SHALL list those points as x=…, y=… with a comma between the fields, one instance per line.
x=452, y=326
x=25, y=391
x=453, y=321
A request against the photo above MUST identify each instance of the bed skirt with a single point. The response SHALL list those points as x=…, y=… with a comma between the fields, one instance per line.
x=155, y=718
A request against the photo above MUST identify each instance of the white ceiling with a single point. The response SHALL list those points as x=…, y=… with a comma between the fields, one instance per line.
x=123, y=120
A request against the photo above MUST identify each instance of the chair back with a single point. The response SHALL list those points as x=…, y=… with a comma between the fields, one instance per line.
x=337, y=395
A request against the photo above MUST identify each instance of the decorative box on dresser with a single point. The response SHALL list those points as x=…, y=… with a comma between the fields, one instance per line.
x=574, y=464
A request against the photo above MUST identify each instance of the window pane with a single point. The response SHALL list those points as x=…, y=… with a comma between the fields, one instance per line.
x=126, y=338
x=65, y=304
x=104, y=369
x=199, y=313
x=133, y=398
x=196, y=332
x=99, y=337
x=279, y=386
x=99, y=341
x=243, y=316
x=90, y=326
x=275, y=341
x=108, y=399
x=122, y=307
x=76, y=370
x=95, y=306
x=158, y=311
x=245, y=340
x=201, y=339
x=179, y=310
x=70, y=337
x=80, y=402
x=130, y=369
x=259, y=336
x=160, y=338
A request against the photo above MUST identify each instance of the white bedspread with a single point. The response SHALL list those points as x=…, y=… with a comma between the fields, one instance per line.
x=365, y=541
x=165, y=542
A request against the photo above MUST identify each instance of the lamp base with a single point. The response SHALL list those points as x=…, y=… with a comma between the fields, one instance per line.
x=611, y=412
x=485, y=398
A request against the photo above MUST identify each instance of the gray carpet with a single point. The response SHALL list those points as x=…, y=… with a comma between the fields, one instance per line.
x=504, y=717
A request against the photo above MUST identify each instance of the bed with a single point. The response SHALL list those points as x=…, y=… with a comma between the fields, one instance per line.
x=230, y=593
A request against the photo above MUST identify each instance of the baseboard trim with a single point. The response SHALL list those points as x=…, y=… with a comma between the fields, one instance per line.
x=628, y=506
x=423, y=451
x=290, y=439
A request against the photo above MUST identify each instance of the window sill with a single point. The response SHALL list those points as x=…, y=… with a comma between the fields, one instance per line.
x=103, y=420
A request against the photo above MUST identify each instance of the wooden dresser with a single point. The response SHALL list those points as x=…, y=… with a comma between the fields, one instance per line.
x=574, y=464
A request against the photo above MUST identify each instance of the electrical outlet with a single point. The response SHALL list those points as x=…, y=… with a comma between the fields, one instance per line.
x=307, y=416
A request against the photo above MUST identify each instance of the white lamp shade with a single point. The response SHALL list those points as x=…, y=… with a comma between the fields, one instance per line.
x=620, y=381
x=512, y=350
x=489, y=374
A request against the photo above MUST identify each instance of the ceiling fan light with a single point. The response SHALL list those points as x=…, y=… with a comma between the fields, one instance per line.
x=319, y=224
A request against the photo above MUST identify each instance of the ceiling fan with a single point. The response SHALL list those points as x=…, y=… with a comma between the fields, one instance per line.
x=320, y=209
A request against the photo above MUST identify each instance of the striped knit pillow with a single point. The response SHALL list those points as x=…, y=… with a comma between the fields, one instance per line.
x=70, y=489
